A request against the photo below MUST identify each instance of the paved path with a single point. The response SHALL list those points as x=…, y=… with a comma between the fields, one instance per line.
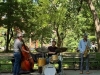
x=67, y=72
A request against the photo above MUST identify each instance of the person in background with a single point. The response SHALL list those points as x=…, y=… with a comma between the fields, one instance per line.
x=17, y=54
x=82, y=47
x=93, y=47
x=52, y=51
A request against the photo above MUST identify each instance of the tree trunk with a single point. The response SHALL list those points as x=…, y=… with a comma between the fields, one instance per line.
x=9, y=26
x=96, y=21
x=59, y=38
x=7, y=41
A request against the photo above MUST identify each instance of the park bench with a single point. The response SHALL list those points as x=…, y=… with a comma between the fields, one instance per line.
x=68, y=58
x=71, y=58
x=92, y=60
x=74, y=58
x=7, y=59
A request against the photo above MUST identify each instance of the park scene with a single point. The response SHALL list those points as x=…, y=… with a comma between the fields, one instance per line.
x=49, y=37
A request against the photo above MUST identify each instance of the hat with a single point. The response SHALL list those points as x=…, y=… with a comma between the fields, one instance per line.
x=19, y=34
x=85, y=34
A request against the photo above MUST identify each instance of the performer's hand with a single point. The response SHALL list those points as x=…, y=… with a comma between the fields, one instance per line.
x=54, y=52
x=27, y=51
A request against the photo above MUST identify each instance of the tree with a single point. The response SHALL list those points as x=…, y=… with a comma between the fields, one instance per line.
x=96, y=21
x=45, y=19
x=7, y=11
x=57, y=12
x=13, y=17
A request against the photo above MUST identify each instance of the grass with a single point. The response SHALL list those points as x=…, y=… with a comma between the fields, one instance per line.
x=6, y=68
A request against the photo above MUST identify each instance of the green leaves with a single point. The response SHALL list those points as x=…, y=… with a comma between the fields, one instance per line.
x=50, y=18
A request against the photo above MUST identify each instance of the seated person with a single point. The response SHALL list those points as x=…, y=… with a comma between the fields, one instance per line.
x=53, y=52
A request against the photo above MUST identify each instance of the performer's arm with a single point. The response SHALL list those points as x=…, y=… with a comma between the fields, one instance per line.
x=51, y=52
x=24, y=49
x=80, y=47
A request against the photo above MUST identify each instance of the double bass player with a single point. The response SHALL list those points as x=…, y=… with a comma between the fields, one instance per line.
x=17, y=54
x=21, y=60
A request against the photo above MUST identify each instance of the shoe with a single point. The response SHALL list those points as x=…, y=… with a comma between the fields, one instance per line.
x=88, y=72
x=31, y=70
x=60, y=73
x=81, y=72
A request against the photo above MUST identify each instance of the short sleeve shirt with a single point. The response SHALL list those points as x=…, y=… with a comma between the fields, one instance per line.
x=51, y=49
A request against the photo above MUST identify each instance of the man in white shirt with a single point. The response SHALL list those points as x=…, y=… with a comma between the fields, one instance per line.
x=82, y=47
x=93, y=47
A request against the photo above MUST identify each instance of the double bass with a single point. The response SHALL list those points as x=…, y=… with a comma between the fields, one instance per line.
x=27, y=62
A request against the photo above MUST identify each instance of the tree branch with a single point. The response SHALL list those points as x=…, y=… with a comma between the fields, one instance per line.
x=79, y=9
